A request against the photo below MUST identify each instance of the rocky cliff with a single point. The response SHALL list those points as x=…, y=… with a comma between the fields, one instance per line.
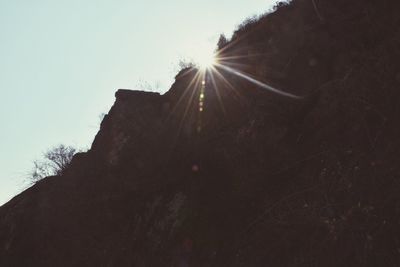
x=229, y=173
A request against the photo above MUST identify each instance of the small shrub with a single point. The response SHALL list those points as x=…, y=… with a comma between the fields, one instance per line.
x=55, y=162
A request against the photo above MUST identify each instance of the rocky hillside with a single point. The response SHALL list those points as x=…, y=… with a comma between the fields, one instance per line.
x=228, y=173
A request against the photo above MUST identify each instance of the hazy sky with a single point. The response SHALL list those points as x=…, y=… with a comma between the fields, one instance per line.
x=62, y=60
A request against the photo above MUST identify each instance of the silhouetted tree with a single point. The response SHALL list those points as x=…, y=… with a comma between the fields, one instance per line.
x=186, y=63
x=281, y=4
x=149, y=87
x=222, y=41
x=55, y=162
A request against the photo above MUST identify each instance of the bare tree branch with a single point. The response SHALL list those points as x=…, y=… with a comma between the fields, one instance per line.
x=55, y=162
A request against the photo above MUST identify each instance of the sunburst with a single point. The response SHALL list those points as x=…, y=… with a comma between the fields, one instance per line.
x=211, y=73
x=204, y=57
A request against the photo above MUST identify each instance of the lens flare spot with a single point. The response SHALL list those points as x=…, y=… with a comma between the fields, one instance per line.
x=195, y=168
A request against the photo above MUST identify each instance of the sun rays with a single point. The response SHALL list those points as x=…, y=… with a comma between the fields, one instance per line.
x=214, y=77
x=257, y=82
x=210, y=63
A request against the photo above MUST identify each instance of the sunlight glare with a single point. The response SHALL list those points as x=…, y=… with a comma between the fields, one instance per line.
x=205, y=57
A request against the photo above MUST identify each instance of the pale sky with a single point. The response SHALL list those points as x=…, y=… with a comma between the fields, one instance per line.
x=61, y=62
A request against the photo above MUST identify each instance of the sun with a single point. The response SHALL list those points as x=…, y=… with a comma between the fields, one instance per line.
x=205, y=57
x=206, y=61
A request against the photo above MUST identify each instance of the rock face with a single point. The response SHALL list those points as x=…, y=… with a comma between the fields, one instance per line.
x=231, y=174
